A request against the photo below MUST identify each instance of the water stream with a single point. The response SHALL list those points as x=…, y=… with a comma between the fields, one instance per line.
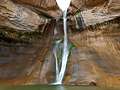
x=64, y=54
x=60, y=70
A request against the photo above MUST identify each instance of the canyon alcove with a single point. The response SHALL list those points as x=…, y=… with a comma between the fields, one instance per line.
x=43, y=44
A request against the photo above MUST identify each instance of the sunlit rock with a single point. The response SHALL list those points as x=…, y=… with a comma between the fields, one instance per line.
x=18, y=17
x=97, y=55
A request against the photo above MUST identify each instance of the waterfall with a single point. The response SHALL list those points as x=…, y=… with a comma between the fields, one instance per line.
x=65, y=53
x=55, y=53
x=60, y=70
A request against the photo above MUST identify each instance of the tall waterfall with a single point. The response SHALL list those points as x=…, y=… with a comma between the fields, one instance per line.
x=60, y=70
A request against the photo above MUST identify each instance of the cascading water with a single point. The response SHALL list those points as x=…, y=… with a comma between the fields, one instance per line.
x=60, y=70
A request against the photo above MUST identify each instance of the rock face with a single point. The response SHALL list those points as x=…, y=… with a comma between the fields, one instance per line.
x=18, y=17
x=23, y=62
x=26, y=57
x=29, y=14
x=50, y=6
x=96, y=59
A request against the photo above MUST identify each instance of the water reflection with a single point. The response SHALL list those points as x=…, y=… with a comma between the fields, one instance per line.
x=56, y=87
x=60, y=87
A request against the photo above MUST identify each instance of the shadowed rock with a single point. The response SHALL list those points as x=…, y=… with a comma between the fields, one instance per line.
x=22, y=62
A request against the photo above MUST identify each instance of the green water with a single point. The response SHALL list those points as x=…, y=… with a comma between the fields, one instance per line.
x=38, y=87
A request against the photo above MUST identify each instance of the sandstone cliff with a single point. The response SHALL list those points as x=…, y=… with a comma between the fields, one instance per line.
x=26, y=57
